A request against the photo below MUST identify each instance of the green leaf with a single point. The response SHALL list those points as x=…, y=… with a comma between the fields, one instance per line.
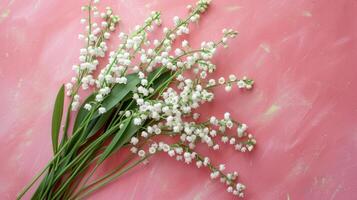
x=119, y=92
x=82, y=113
x=57, y=118
x=115, y=141
x=156, y=73
x=130, y=131
x=100, y=123
x=161, y=80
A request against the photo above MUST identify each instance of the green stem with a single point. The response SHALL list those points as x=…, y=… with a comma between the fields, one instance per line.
x=84, y=187
x=113, y=177
x=22, y=193
x=74, y=174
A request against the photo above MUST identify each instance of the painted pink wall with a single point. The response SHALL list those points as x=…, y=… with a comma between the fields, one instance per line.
x=303, y=110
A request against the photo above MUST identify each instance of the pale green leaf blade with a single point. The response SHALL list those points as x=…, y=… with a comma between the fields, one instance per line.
x=114, y=143
x=57, y=118
x=131, y=130
x=103, y=119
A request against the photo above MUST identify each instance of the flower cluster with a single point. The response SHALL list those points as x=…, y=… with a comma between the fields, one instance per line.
x=148, y=88
x=168, y=111
x=97, y=32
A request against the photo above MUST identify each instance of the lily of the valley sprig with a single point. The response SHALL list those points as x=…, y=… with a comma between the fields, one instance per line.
x=147, y=90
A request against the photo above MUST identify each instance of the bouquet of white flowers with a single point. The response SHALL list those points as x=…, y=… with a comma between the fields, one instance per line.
x=147, y=89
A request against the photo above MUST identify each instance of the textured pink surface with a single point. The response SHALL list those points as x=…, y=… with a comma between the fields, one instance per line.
x=303, y=110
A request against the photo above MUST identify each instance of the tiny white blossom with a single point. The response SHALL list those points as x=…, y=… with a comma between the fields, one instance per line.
x=87, y=106
x=221, y=80
x=102, y=110
x=74, y=105
x=165, y=147
x=241, y=130
x=141, y=153
x=229, y=124
x=199, y=164
x=83, y=21
x=228, y=88
x=127, y=113
x=137, y=121
x=222, y=167
x=176, y=20
x=134, y=149
x=99, y=97
x=69, y=86
x=171, y=153
x=224, y=139
x=227, y=116
x=134, y=140
x=152, y=150
x=144, y=134
x=232, y=77
x=241, y=84
x=232, y=141
x=178, y=52
x=214, y=175
x=106, y=35
x=184, y=43
x=206, y=161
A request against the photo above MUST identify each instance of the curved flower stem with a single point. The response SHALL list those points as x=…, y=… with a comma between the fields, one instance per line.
x=112, y=172
x=33, y=181
x=60, y=150
x=84, y=187
x=52, y=176
x=112, y=177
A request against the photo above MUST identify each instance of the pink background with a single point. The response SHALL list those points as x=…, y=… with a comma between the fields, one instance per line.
x=303, y=110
